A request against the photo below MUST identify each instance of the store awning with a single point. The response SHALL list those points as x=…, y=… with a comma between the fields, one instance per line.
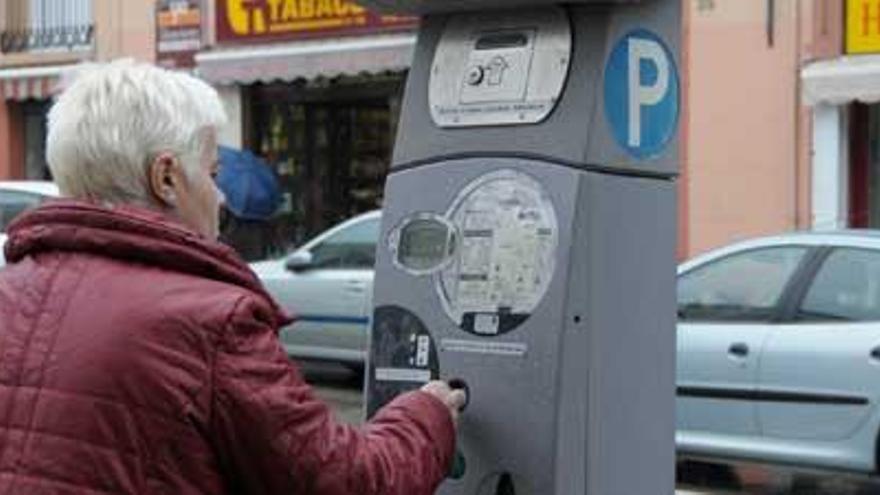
x=842, y=80
x=24, y=83
x=308, y=59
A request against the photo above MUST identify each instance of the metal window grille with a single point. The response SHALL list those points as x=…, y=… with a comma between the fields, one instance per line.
x=47, y=25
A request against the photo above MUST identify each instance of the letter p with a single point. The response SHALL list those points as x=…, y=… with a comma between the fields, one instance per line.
x=639, y=96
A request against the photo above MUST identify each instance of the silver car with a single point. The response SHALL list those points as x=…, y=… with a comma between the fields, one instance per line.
x=17, y=197
x=779, y=352
x=328, y=285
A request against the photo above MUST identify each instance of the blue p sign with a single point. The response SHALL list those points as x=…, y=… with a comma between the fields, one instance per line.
x=641, y=93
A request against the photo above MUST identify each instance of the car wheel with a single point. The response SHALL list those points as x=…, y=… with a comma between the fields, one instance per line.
x=802, y=484
x=357, y=370
x=877, y=455
x=707, y=474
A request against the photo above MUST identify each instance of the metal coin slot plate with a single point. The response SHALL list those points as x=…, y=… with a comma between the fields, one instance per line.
x=500, y=68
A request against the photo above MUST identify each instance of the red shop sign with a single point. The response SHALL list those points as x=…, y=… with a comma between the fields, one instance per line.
x=268, y=20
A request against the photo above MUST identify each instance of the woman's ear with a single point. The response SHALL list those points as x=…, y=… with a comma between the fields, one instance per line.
x=163, y=179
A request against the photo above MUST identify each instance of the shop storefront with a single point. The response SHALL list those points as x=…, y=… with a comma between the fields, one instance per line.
x=331, y=143
x=26, y=94
x=316, y=89
x=844, y=94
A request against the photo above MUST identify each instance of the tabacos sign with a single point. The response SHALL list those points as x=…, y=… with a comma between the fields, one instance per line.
x=863, y=26
x=266, y=20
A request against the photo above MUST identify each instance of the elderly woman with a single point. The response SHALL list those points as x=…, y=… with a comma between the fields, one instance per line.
x=138, y=355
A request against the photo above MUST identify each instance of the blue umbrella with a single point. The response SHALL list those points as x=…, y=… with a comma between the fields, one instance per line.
x=251, y=189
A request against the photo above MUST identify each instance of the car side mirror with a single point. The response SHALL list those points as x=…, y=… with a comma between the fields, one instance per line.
x=300, y=261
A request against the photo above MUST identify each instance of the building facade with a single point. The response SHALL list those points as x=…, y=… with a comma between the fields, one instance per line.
x=40, y=40
x=844, y=93
x=319, y=102
x=780, y=126
x=751, y=139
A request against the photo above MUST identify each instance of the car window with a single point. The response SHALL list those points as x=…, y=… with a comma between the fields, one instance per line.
x=351, y=247
x=846, y=288
x=745, y=286
x=13, y=203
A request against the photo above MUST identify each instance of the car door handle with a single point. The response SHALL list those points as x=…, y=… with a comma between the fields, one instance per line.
x=738, y=349
x=356, y=286
x=875, y=353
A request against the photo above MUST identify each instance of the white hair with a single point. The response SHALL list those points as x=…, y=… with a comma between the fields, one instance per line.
x=112, y=120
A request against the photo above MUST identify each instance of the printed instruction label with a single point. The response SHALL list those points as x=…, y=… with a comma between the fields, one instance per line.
x=513, y=349
x=402, y=375
x=508, y=247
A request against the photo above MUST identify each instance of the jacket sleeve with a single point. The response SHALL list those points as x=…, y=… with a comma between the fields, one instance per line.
x=272, y=434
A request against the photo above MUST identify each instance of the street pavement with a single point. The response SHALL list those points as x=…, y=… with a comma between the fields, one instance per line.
x=342, y=389
x=337, y=385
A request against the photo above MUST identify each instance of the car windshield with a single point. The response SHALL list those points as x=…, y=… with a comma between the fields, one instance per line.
x=13, y=203
x=351, y=247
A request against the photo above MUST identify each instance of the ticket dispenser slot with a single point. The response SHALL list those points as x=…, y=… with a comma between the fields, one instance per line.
x=498, y=67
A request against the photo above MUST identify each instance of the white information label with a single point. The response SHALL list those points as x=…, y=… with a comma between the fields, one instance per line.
x=423, y=350
x=402, y=375
x=515, y=349
x=486, y=324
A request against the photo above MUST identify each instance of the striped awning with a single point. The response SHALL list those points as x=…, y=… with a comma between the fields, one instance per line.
x=30, y=83
x=308, y=59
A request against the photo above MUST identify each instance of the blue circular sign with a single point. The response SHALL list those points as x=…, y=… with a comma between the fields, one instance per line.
x=642, y=93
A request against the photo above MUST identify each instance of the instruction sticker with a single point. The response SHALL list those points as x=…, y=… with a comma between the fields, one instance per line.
x=402, y=375
x=513, y=349
x=506, y=255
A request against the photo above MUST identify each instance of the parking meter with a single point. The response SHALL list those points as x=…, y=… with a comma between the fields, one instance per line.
x=528, y=239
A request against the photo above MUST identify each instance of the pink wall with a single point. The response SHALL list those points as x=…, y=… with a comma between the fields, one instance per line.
x=746, y=168
x=125, y=29
x=122, y=29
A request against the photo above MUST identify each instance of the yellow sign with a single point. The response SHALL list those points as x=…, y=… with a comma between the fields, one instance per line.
x=863, y=26
x=250, y=19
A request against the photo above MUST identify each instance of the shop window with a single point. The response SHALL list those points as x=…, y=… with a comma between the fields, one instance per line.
x=331, y=145
x=864, y=172
x=34, y=116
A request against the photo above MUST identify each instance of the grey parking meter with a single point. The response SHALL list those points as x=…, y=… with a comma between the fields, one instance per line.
x=528, y=237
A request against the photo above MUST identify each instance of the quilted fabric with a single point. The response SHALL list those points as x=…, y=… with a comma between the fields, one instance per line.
x=139, y=358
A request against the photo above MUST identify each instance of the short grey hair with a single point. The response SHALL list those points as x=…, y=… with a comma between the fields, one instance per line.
x=112, y=120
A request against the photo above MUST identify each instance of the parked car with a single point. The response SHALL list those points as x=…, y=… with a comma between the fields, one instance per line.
x=779, y=352
x=17, y=197
x=328, y=285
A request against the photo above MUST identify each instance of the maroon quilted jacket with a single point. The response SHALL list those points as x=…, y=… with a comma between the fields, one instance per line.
x=137, y=357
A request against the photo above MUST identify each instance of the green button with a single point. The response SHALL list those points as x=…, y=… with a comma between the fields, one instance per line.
x=459, y=466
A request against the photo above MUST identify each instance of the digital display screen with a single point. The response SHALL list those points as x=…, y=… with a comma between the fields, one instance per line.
x=423, y=244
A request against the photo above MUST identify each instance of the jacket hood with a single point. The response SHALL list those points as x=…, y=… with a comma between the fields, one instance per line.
x=132, y=234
